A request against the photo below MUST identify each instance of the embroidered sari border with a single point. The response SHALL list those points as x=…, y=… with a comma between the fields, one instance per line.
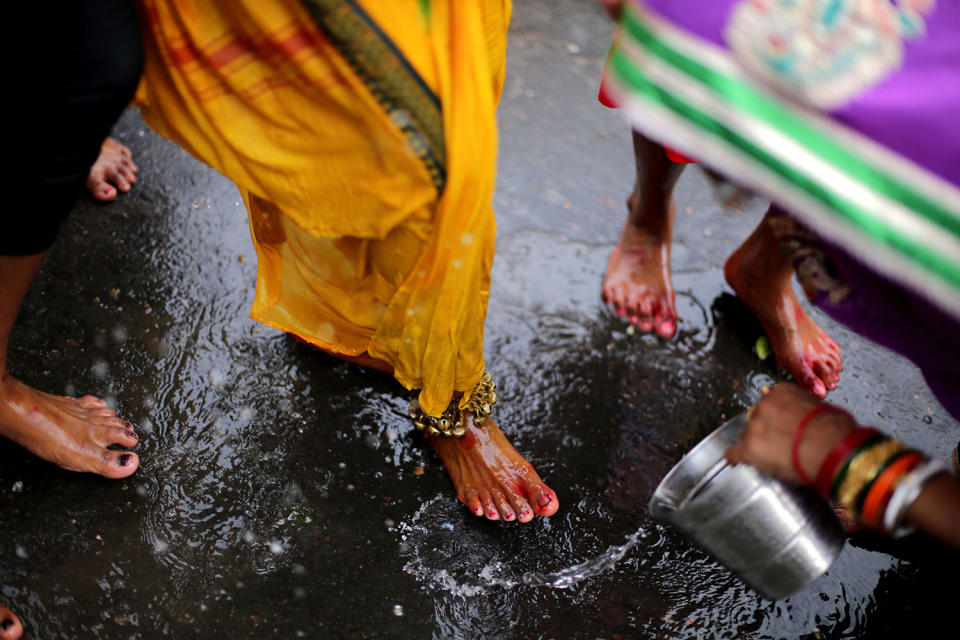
x=389, y=76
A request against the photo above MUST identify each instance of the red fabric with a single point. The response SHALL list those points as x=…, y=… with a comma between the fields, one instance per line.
x=606, y=100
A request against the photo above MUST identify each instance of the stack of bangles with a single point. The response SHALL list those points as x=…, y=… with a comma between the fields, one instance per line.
x=873, y=476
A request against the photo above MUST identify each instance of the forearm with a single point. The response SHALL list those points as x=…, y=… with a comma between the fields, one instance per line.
x=936, y=510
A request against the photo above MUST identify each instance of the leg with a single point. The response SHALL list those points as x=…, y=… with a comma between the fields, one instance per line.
x=10, y=626
x=114, y=166
x=491, y=477
x=73, y=433
x=761, y=276
x=637, y=282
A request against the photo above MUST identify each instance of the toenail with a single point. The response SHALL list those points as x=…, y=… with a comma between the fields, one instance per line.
x=510, y=516
x=125, y=459
x=129, y=425
x=524, y=513
x=544, y=501
x=6, y=624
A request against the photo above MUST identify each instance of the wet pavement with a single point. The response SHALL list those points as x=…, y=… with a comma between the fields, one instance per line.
x=283, y=494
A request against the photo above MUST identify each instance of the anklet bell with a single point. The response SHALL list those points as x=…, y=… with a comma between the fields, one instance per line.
x=450, y=422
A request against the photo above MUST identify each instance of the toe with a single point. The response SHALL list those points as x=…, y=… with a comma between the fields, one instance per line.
x=489, y=508
x=90, y=402
x=472, y=500
x=520, y=505
x=119, y=464
x=666, y=326
x=503, y=505
x=10, y=625
x=116, y=177
x=543, y=499
x=124, y=437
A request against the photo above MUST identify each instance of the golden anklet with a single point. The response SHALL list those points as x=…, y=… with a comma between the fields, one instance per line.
x=450, y=422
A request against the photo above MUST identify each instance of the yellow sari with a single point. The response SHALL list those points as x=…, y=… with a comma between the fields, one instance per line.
x=362, y=136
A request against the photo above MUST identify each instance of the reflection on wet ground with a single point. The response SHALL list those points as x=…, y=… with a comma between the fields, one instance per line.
x=284, y=494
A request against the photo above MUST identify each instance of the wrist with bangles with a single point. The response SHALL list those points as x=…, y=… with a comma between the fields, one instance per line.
x=450, y=423
x=874, y=477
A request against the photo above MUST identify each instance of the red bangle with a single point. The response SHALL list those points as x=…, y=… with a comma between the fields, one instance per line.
x=813, y=413
x=838, y=454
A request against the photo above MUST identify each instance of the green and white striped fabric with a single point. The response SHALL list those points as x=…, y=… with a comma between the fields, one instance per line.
x=898, y=218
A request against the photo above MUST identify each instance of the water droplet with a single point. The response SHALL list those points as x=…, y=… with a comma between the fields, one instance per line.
x=276, y=547
x=217, y=377
x=119, y=334
x=99, y=369
x=299, y=570
x=342, y=465
x=248, y=537
x=389, y=523
x=467, y=238
x=160, y=546
x=398, y=610
x=299, y=592
x=456, y=263
x=21, y=552
x=17, y=487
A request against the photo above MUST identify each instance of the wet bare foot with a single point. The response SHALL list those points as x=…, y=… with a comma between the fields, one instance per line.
x=10, y=626
x=637, y=283
x=491, y=477
x=761, y=276
x=114, y=169
x=73, y=433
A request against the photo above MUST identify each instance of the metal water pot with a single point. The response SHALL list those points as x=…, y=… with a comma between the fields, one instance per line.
x=775, y=536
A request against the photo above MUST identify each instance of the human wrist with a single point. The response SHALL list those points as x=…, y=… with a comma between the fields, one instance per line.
x=822, y=434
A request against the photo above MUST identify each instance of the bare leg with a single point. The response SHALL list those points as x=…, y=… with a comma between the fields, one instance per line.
x=114, y=166
x=10, y=626
x=491, y=477
x=761, y=276
x=73, y=433
x=637, y=283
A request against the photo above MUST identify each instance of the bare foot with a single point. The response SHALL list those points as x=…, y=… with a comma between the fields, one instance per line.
x=637, y=283
x=10, y=626
x=761, y=276
x=73, y=433
x=113, y=165
x=491, y=477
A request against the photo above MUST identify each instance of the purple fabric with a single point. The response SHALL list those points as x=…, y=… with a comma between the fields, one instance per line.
x=915, y=112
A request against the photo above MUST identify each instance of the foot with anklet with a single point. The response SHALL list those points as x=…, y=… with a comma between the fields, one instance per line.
x=491, y=477
x=113, y=169
x=761, y=277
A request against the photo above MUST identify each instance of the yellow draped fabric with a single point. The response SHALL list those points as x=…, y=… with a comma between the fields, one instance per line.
x=359, y=248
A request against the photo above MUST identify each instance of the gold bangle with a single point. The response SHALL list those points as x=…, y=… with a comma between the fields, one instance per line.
x=450, y=422
x=863, y=469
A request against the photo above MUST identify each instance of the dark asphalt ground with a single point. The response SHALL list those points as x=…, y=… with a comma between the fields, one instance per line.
x=283, y=494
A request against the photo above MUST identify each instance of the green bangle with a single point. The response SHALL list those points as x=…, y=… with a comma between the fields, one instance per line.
x=842, y=473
